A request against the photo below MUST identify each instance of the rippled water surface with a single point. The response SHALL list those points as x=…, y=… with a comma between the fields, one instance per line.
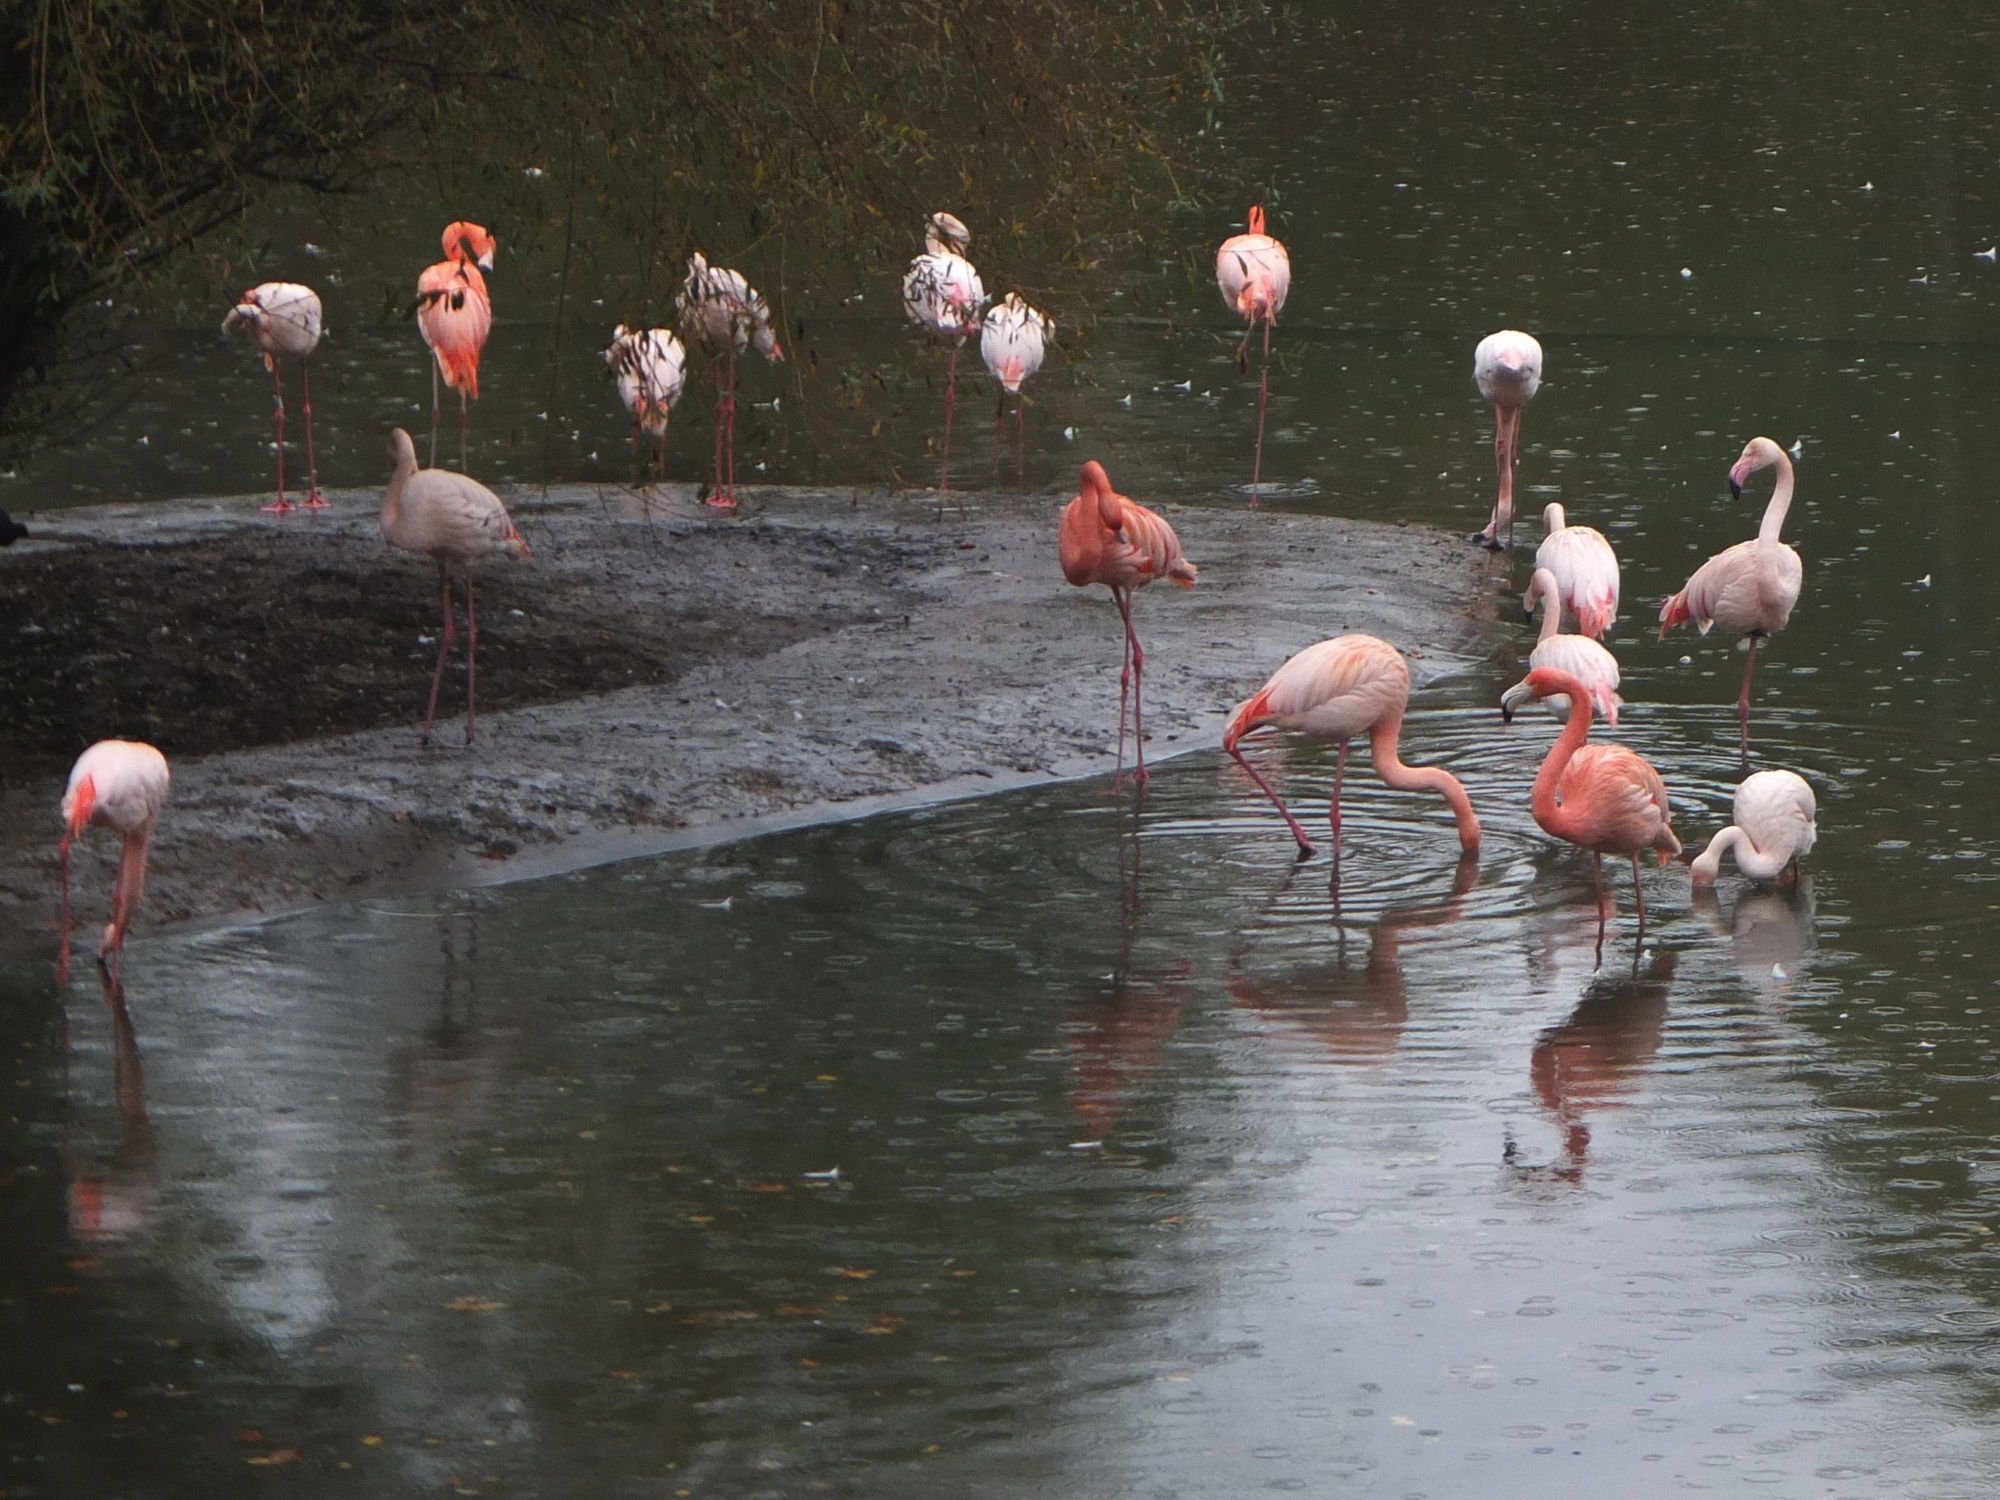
x=1053, y=1145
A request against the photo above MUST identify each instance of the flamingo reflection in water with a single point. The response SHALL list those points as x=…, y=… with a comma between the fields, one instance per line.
x=114, y=1199
x=1770, y=932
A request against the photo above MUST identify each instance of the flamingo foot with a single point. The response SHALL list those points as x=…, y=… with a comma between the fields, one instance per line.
x=315, y=501
x=281, y=507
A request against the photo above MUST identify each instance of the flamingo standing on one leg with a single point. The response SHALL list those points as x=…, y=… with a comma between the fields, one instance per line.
x=121, y=784
x=651, y=367
x=1750, y=588
x=282, y=319
x=1254, y=273
x=1011, y=339
x=721, y=309
x=1507, y=366
x=1332, y=691
x=455, y=316
x=942, y=295
x=1585, y=569
x=1117, y=542
x=1774, y=824
x=1579, y=655
x=1604, y=798
x=453, y=519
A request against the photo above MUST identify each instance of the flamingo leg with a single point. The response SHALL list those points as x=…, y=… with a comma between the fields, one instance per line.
x=729, y=447
x=1339, y=781
x=471, y=657
x=1124, y=683
x=1639, y=895
x=1506, y=435
x=444, y=645
x=314, y=499
x=1138, y=658
x=1743, y=701
x=431, y=462
x=1263, y=404
x=1603, y=914
x=950, y=401
x=131, y=886
x=278, y=395
x=1298, y=833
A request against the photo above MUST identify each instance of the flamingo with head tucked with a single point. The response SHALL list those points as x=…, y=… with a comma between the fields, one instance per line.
x=120, y=785
x=1012, y=337
x=1254, y=273
x=1507, y=367
x=942, y=294
x=455, y=315
x=650, y=367
x=1585, y=569
x=282, y=318
x=1583, y=658
x=1750, y=588
x=726, y=315
x=1774, y=824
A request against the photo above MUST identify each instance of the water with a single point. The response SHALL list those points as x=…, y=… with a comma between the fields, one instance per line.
x=1158, y=1172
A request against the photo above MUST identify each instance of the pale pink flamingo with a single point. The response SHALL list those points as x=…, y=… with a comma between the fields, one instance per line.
x=1749, y=589
x=455, y=316
x=1580, y=656
x=942, y=295
x=121, y=785
x=651, y=367
x=1507, y=366
x=1117, y=542
x=1011, y=339
x=282, y=319
x=1774, y=823
x=1604, y=798
x=1585, y=569
x=1332, y=691
x=726, y=315
x=455, y=520
x=1254, y=273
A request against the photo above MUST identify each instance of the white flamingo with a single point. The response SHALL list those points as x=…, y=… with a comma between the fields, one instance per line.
x=282, y=318
x=942, y=295
x=722, y=311
x=651, y=367
x=1507, y=367
x=120, y=785
x=1774, y=825
x=1580, y=656
x=1012, y=338
x=1586, y=571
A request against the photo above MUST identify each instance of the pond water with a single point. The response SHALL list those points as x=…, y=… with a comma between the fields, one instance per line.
x=1158, y=1171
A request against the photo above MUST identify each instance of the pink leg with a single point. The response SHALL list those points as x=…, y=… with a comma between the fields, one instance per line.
x=950, y=401
x=1339, y=783
x=1263, y=402
x=1298, y=833
x=444, y=645
x=1124, y=685
x=471, y=657
x=314, y=499
x=131, y=886
x=1506, y=431
x=1743, y=701
x=1603, y=915
x=731, y=448
x=1639, y=895
x=1137, y=655
x=278, y=394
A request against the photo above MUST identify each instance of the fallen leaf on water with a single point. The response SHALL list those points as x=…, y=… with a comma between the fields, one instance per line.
x=472, y=1304
x=274, y=1457
x=852, y=1273
x=796, y=1310
x=767, y=1187
x=372, y=1440
x=661, y=1307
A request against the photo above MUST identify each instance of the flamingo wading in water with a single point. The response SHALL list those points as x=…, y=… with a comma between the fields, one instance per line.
x=1332, y=691
x=1774, y=822
x=1604, y=798
x=1585, y=570
x=1117, y=542
x=942, y=295
x=1750, y=588
x=1507, y=367
x=455, y=316
x=455, y=520
x=1011, y=339
x=282, y=318
x=651, y=367
x=726, y=315
x=1254, y=273
x=1583, y=658
x=120, y=785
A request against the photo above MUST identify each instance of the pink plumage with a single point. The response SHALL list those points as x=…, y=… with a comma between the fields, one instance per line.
x=1254, y=274
x=1579, y=655
x=1507, y=368
x=120, y=785
x=283, y=320
x=455, y=316
x=1585, y=570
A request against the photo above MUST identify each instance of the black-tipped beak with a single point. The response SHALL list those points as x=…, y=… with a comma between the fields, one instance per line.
x=1735, y=489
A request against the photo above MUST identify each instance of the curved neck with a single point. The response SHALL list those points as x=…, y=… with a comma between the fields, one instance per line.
x=1553, y=517
x=1751, y=860
x=392, y=498
x=1781, y=501
x=1548, y=812
x=1542, y=587
x=1389, y=766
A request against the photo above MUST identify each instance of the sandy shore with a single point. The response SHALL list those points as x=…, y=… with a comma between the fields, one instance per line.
x=822, y=653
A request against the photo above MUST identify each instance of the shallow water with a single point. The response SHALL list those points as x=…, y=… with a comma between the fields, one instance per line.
x=1158, y=1172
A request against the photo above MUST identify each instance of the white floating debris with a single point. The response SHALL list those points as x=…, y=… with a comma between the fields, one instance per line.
x=1069, y=434
x=1867, y=187
x=1778, y=973
x=1687, y=661
x=725, y=904
x=533, y=172
x=1924, y=582
x=1687, y=273
x=1086, y=1145
x=1797, y=450
x=1991, y=252
x=1184, y=385
x=1126, y=399
x=1896, y=436
x=832, y=1174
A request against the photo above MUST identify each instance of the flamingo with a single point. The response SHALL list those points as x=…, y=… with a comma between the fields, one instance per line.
x=1332, y=691
x=1011, y=336
x=1750, y=588
x=1583, y=658
x=1585, y=569
x=454, y=315
x=942, y=295
x=282, y=319
x=1604, y=798
x=454, y=519
x=1254, y=273
x=1508, y=369
x=727, y=315
x=651, y=367
x=1773, y=826
x=121, y=784
x=1109, y=539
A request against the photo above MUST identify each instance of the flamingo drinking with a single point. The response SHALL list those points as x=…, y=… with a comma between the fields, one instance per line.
x=282, y=319
x=121, y=785
x=1773, y=825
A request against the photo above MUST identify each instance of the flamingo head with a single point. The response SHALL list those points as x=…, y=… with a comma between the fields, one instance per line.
x=1512, y=699
x=464, y=240
x=1255, y=223
x=78, y=803
x=946, y=234
x=766, y=340
x=1758, y=453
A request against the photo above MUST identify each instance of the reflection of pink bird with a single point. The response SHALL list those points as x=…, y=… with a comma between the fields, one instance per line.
x=454, y=316
x=1011, y=339
x=282, y=319
x=1353, y=684
x=1254, y=273
x=1749, y=589
x=1117, y=542
x=1507, y=366
x=942, y=294
x=1604, y=798
x=1579, y=655
x=122, y=785
x=453, y=519
x=1773, y=825
x=650, y=366
x=727, y=315
x=1585, y=569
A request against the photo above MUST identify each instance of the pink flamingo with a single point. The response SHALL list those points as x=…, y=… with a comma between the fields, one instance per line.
x=1585, y=569
x=453, y=519
x=942, y=295
x=455, y=316
x=1773, y=825
x=1011, y=339
x=651, y=367
x=727, y=315
x=1580, y=656
x=1604, y=798
x=1332, y=691
x=122, y=785
x=1117, y=542
x=1507, y=367
x=1750, y=588
x=1254, y=273
x=282, y=319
